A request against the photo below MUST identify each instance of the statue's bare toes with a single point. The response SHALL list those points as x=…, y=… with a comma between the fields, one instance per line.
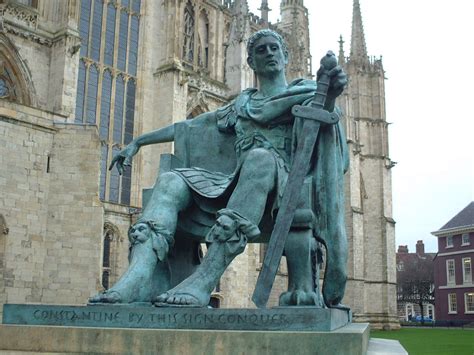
x=177, y=299
x=106, y=297
x=162, y=298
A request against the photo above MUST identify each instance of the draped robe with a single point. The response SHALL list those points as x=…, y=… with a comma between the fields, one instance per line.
x=267, y=122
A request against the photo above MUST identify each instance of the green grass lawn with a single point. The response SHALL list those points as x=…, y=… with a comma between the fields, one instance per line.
x=429, y=341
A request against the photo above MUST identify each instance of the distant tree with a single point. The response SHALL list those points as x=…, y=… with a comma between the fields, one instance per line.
x=416, y=282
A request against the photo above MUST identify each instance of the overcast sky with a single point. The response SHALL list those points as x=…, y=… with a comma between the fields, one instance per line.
x=427, y=55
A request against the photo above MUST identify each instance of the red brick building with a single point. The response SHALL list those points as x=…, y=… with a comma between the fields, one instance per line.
x=413, y=270
x=454, y=287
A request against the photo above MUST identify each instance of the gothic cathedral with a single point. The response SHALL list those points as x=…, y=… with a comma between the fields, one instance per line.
x=80, y=78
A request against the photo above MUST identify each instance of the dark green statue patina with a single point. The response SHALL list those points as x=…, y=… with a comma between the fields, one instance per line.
x=264, y=133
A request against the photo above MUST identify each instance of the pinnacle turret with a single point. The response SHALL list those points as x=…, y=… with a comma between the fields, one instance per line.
x=264, y=10
x=358, y=46
x=341, y=57
x=291, y=2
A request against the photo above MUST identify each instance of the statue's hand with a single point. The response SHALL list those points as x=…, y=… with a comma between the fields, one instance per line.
x=124, y=157
x=337, y=83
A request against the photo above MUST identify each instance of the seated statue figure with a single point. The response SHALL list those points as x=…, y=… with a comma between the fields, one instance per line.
x=265, y=139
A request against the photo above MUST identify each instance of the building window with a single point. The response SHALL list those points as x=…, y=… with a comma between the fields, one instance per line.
x=188, y=43
x=106, y=259
x=4, y=89
x=109, y=255
x=203, y=52
x=401, y=266
x=430, y=311
x=409, y=312
x=467, y=270
x=8, y=85
x=452, y=303
x=449, y=241
x=107, y=82
x=450, y=271
x=469, y=302
x=465, y=239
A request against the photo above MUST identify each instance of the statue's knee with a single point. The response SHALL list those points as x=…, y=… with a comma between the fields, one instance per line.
x=170, y=183
x=168, y=179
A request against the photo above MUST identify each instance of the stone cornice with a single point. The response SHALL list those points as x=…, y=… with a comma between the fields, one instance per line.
x=27, y=33
x=20, y=13
x=371, y=120
x=453, y=231
x=27, y=116
x=208, y=85
x=34, y=125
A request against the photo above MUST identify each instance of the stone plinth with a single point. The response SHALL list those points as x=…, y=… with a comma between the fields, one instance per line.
x=351, y=339
x=147, y=329
x=126, y=316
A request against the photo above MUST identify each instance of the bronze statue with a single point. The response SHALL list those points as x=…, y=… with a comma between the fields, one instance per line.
x=243, y=202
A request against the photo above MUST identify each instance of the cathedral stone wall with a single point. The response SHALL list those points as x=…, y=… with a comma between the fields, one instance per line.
x=49, y=183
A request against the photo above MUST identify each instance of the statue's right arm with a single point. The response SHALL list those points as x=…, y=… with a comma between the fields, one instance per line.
x=124, y=157
x=162, y=135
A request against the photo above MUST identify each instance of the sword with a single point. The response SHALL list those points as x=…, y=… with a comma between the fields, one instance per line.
x=313, y=115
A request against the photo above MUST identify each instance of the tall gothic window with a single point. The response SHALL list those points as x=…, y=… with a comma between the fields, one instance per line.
x=14, y=83
x=4, y=89
x=188, y=43
x=203, y=40
x=108, y=70
x=109, y=254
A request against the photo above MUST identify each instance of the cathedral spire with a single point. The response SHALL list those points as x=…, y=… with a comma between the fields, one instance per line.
x=358, y=47
x=264, y=10
x=341, y=58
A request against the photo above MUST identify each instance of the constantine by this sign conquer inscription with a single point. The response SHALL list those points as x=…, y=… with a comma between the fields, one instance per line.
x=280, y=318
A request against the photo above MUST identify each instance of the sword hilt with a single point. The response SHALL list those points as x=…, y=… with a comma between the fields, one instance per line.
x=328, y=63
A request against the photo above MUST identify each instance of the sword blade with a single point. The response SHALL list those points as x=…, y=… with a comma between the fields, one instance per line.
x=289, y=203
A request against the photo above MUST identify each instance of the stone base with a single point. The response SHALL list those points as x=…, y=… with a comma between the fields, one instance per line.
x=133, y=316
x=351, y=339
x=385, y=347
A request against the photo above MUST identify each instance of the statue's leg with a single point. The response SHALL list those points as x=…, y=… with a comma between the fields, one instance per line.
x=170, y=196
x=256, y=180
x=246, y=205
x=335, y=276
x=300, y=249
x=151, y=237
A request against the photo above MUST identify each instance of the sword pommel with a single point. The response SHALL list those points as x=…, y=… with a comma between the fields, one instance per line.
x=329, y=61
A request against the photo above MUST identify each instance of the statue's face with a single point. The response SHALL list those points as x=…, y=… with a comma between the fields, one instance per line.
x=224, y=228
x=268, y=57
x=139, y=233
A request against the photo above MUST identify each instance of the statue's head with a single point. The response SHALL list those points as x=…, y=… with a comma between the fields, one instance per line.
x=267, y=52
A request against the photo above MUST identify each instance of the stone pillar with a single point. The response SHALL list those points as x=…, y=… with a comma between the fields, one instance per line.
x=61, y=18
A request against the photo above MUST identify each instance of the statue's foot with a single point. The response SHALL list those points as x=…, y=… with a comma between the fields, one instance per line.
x=106, y=297
x=183, y=297
x=299, y=298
